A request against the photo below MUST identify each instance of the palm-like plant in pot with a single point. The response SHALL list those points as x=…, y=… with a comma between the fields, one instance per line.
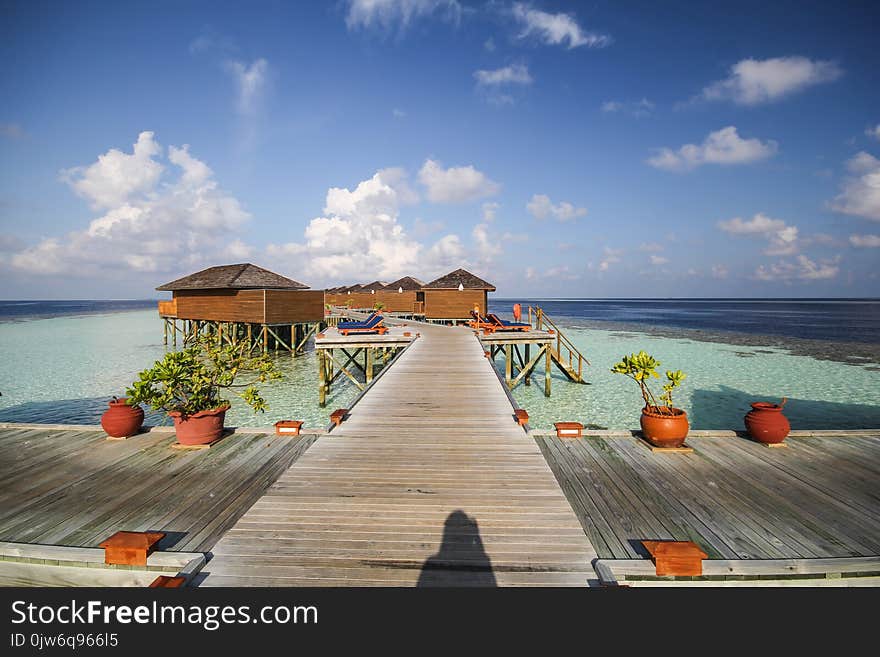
x=189, y=384
x=662, y=424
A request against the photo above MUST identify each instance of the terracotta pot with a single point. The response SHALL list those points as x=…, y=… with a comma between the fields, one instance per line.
x=199, y=428
x=664, y=427
x=766, y=423
x=122, y=420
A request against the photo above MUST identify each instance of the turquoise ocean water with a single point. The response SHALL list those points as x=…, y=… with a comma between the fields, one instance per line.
x=64, y=369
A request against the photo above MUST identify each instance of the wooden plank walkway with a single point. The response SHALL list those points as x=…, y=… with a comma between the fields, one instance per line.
x=819, y=497
x=429, y=482
x=75, y=488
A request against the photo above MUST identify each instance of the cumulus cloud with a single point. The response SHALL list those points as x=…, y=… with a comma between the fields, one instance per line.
x=155, y=218
x=802, y=269
x=782, y=238
x=635, y=108
x=659, y=260
x=386, y=15
x=651, y=247
x=514, y=74
x=541, y=208
x=865, y=241
x=250, y=82
x=874, y=132
x=490, y=209
x=861, y=190
x=610, y=257
x=719, y=271
x=455, y=184
x=359, y=235
x=756, y=81
x=723, y=146
x=562, y=272
x=555, y=29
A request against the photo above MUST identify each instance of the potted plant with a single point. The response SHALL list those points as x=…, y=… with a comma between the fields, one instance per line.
x=662, y=424
x=188, y=385
x=122, y=418
x=379, y=306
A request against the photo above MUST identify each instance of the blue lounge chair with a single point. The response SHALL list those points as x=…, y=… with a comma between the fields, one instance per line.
x=504, y=325
x=366, y=323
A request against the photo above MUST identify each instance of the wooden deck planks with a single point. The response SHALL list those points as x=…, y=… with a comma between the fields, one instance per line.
x=735, y=498
x=68, y=487
x=428, y=482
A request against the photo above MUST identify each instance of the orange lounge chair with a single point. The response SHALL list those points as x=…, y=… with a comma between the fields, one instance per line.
x=478, y=322
x=499, y=324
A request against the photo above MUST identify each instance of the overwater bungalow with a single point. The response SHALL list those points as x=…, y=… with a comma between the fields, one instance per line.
x=242, y=301
x=453, y=296
x=403, y=296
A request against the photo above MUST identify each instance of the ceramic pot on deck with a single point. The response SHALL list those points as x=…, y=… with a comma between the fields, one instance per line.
x=199, y=428
x=766, y=423
x=121, y=420
x=663, y=426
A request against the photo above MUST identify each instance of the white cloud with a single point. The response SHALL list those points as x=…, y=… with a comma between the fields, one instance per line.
x=611, y=256
x=782, y=238
x=861, y=190
x=386, y=14
x=11, y=130
x=719, y=271
x=636, y=108
x=250, y=82
x=359, y=236
x=555, y=29
x=514, y=74
x=802, y=269
x=723, y=146
x=151, y=222
x=659, y=260
x=398, y=113
x=651, y=247
x=561, y=272
x=490, y=209
x=754, y=81
x=874, y=132
x=455, y=184
x=489, y=44
x=542, y=208
x=487, y=249
x=865, y=241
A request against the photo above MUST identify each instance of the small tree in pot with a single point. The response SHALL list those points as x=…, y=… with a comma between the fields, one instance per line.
x=662, y=424
x=188, y=385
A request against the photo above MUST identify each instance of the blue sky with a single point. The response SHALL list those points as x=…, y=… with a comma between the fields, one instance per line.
x=592, y=149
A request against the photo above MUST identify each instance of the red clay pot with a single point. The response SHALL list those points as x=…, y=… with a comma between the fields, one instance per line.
x=668, y=428
x=199, y=428
x=122, y=420
x=766, y=423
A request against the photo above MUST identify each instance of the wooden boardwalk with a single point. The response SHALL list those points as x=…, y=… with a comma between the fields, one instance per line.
x=819, y=497
x=429, y=482
x=73, y=487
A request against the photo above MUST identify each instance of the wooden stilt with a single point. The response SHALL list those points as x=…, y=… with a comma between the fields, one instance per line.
x=528, y=356
x=369, y=364
x=548, y=363
x=174, y=333
x=322, y=378
x=265, y=337
x=165, y=331
x=508, y=364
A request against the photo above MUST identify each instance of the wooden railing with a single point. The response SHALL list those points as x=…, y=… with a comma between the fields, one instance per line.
x=168, y=308
x=418, y=307
x=564, y=353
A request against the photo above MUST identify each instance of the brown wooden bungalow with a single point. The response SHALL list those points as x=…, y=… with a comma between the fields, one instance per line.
x=243, y=301
x=453, y=296
x=403, y=296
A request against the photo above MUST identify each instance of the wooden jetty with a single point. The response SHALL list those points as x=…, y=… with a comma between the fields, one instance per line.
x=70, y=486
x=799, y=514
x=428, y=482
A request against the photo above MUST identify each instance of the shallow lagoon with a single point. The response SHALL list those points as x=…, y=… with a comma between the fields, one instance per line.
x=64, y=369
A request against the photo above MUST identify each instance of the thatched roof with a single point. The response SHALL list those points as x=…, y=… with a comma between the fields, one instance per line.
x=460, y=277
x=407, y=283
x=375, y=285
x=243, y=276
x=357, y=287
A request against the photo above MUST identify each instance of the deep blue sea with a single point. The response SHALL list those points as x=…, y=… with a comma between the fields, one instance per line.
x=26, y=309
x=846, y=320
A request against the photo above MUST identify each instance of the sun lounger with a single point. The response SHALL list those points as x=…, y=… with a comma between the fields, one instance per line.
x=479, y=322
x=503, y=325
x=374, y=325
x=372, y=320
